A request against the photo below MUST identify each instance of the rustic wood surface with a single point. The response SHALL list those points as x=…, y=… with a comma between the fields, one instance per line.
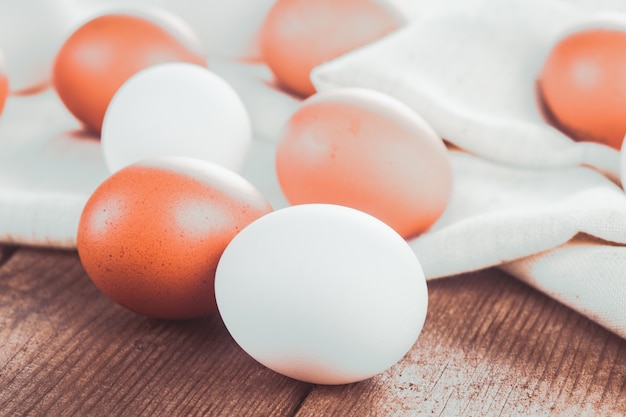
x=491, y=346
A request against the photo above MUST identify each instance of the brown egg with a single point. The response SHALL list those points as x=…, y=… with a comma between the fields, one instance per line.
x=298, y=35
x=151, y=235
x=583, y=86
x=363, y=149
x=103, y=53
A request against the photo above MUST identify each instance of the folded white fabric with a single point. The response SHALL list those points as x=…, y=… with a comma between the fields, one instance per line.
x=585, y=274
x=560, y=230
x=499, y=213
x=47, y=171
x=524, y=198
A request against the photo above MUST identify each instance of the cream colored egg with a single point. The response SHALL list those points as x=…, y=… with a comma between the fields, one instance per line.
x=176, y=109
x=322, y=293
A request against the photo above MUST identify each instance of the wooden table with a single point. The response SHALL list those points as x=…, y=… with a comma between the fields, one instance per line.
x=491, y=346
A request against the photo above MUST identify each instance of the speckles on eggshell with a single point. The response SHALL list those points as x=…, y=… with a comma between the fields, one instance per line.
x=174, y=217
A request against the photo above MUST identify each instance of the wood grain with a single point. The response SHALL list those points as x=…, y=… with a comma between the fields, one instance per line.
x=68, y=350
x=491, y=346
x=5, y=252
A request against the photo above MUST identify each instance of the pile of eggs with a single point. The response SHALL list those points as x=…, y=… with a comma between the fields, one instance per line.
x=326, y=290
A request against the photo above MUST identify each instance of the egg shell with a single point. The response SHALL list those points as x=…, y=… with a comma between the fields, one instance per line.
x=322, y=293
x=177, y=109
x=366, y=150
x=99, y=56
x=582, y=85
x=150, y=236
x=298, y=35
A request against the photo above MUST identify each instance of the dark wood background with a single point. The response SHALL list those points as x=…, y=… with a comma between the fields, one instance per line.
x=491, y=346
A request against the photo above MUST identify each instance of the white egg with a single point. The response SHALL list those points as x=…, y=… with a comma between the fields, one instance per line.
x=176, y=109
x=31, y=32
x=322, y=293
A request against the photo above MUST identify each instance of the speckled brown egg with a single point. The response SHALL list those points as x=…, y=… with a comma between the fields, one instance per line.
x=151, y=235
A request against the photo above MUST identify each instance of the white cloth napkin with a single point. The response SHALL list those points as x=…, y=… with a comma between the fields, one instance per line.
x=47, y=171
x=526, y=198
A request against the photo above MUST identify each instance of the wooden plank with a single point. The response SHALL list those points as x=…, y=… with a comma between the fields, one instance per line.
x=65, y=349
x=5, y=252
x=492, y=346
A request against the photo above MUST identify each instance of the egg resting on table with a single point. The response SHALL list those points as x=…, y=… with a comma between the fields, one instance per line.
x=298, y=35
x=583, y=85
x=150, y=236
x=364, y=149
x=322, y=293
x=99, y=56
